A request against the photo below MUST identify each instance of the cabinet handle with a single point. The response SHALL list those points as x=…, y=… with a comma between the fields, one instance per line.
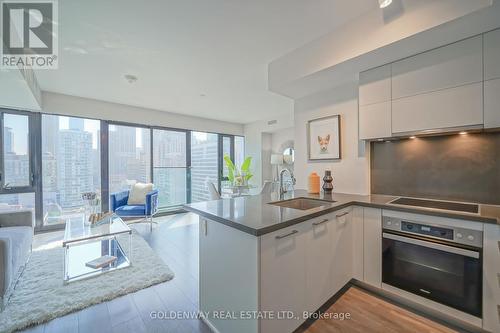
x=343, y=214
x=320, y=222
x=293, y=232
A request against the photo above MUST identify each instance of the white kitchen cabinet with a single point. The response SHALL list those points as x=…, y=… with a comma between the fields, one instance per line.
x=492, y=55
x=357, y=243
x=375, y=121
x=375, y=85
x=283, y=276
x=492, y=103
x=375, y=103
x=342, y=249
x=491, y=278
x=446, y=67
x=372, y=246
x=448, y=108
x=319, y=261
x=228, y=282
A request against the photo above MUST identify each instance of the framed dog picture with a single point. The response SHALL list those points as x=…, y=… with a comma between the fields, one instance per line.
x=324, y=138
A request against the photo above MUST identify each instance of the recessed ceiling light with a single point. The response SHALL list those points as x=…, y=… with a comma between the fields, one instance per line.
x=130, y=78
x=463, y=133
x=384, y=3
x=413, y=137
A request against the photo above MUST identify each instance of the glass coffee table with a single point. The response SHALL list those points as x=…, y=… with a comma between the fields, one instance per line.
x=83, y=244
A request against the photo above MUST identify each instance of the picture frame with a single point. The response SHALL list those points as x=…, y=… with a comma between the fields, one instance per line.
x=324, y=139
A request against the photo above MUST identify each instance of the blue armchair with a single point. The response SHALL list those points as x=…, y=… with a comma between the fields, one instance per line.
x=119, y=206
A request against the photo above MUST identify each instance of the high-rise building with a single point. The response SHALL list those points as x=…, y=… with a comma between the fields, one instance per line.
x=74, y=166
x=50, y=130
x=204, y=164
x=8, y=137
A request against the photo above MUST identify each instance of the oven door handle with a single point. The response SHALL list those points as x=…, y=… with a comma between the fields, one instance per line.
x=437, y=246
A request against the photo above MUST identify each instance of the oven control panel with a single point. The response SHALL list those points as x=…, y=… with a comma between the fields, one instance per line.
x=427, y=230
x=450, y=233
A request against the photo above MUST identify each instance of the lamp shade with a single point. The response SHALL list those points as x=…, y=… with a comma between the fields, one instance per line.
x=276, y=159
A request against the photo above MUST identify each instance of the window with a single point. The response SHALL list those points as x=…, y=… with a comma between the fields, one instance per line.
x=17, y=201
x=170, y=167
x=204, y=164
x=239, y=150
x=70, y=165
x=129, y=156
x=16, y=151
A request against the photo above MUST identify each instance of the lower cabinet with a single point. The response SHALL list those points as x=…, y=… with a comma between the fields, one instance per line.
x=283, y=277
x=491, y=278
x=372, y=242
x=303, y=266
x=328, y=257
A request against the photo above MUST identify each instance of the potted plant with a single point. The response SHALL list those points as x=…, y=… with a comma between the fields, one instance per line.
x=238, y=176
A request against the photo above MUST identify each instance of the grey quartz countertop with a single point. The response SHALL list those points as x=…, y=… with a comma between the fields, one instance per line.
x=255, y=215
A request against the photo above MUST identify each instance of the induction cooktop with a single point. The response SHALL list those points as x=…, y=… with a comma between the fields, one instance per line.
x=438, y=204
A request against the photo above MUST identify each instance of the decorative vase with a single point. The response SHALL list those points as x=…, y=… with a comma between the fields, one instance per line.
x=313, y=183
x=328, y=182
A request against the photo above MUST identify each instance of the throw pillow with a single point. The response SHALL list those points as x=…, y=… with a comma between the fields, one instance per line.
x=138, y=191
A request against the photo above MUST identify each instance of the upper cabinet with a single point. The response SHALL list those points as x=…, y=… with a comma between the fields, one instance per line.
x=441, y=89
x=492, y=79
x=375, y=103
x=492, y=55
x=448, y=108
x=446, y=67
x=375, y=85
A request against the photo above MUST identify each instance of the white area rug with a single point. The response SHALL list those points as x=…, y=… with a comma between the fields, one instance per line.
x=40, y=294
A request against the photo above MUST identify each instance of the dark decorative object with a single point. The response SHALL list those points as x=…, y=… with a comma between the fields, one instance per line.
x=327, y=182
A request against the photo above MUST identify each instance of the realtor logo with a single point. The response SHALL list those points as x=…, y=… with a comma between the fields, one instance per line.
x=29, y=34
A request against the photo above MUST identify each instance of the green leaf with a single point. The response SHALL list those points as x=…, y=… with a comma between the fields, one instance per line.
x=229, y=163
x=230, y=168
x=245, y=167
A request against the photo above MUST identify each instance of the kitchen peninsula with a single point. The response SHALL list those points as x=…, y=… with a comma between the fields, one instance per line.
x=260, y=259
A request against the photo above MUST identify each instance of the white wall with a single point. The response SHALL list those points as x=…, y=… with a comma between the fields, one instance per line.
x=267, y=147
x=351, y=173
x=281, y=137
x=91, y=108
x=253, y=142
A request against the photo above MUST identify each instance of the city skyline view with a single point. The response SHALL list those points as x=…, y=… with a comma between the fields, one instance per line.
x=71, y=163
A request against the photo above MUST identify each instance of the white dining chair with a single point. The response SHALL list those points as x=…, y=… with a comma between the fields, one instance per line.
x=267, y=187
x=214, y=193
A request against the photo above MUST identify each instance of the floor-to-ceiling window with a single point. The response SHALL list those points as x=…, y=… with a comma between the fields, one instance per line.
x=170, y=167
x=129, y=156
x=17, y=189
x=48, y=161
x=204, y=164
x=239, y=150
x=71, y=165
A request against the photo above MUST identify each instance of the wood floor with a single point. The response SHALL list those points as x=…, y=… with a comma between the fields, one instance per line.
x=372, y=314
x=175, y=240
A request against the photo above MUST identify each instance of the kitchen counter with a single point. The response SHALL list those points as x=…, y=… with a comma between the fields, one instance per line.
x=254, y=214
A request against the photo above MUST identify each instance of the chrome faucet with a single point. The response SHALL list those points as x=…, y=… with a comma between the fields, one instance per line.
x=283, y=189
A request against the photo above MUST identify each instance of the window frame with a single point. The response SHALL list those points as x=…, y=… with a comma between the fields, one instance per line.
x=35, y=158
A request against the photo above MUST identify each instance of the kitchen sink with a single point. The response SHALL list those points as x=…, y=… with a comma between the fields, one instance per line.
x=302, y=203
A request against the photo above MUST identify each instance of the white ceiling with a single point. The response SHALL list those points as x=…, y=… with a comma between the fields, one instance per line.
x=206, y=58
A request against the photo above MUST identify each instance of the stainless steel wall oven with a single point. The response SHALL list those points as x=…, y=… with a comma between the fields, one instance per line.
x=439, y=262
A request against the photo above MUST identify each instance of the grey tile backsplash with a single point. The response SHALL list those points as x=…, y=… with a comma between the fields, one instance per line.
x=452, y=167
